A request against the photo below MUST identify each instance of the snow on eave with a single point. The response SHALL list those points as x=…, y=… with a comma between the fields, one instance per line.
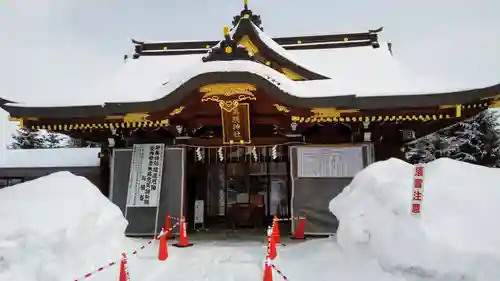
x=24, y=104
x=272, y=44
x=273, y=76
x=4, y=101
x=427, y=91
x=51, y=158
x=280, y=50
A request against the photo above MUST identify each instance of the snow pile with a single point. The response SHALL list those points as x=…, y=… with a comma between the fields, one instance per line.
x=55, y=227
x=324, y=259
x=457, y=235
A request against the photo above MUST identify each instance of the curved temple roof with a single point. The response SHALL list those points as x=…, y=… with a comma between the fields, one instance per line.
x=351, y=70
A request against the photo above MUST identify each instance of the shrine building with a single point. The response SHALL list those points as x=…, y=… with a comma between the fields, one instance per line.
x=234, y=131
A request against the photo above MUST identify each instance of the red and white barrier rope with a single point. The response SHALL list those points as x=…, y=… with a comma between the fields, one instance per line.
x=125, y=266
x=90, y=274
x=175, y=218
x=268, y=260
x=283, y=276
x=290, y=219
x=132, y=252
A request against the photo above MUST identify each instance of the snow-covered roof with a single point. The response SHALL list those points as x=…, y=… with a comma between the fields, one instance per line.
x=49, y=158
x=363, y=71
x=139, y=78
x=360, y=71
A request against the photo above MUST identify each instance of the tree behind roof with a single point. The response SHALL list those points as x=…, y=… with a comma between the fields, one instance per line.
x=476, y=140
x=53, y=140
x=26, y=139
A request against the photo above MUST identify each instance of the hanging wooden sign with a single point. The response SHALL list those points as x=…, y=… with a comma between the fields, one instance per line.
x=236, y=125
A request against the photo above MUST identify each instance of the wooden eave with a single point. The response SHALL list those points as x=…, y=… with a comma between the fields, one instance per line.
x=373, y=108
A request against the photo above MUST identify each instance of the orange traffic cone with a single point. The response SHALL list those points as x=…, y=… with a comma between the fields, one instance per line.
x=299, y=231
x=124, y=275
x=276, y=230
x=183, y=239
x=168, y=227
x=268, y=272
x=162, y=250
x=271, y=248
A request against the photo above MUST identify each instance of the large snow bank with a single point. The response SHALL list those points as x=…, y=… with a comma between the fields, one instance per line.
x=457, y=235
x=56, y=227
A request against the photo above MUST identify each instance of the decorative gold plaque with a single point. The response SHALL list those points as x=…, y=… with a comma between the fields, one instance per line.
x=228, y=95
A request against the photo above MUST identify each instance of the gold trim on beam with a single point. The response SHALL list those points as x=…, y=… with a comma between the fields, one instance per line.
x=16, y=119
x=245, y=41
x=326, y=112
x=495, y=104
x=331, y=111
x=476, y=105
x=102, y=126
x=177, y=111
x=281, y=108
x=130, y=117
x=379, y=118
x=491, y=97
x=292, y=75
x=135, y=117
x=114, y=117
x=457, y=107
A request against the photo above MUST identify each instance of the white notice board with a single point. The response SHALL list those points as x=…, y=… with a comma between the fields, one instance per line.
x=146, y=171
x=198, y=211
x=329, y=162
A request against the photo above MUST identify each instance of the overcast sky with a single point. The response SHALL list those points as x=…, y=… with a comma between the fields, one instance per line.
x=53, y=48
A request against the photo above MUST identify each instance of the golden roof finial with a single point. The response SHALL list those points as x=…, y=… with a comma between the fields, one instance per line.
x=226, y=30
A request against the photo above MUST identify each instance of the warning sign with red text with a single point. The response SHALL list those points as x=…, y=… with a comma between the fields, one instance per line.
x=418, y=190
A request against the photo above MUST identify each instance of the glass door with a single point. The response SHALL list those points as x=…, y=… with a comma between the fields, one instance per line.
x=237, y=184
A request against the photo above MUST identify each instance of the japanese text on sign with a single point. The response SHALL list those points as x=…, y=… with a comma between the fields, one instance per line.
x=145, y=175
x=236, y=123
x=418, y=189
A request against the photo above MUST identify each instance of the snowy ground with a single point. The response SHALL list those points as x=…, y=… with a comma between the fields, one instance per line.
x=313, y=260
x=60, y=227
